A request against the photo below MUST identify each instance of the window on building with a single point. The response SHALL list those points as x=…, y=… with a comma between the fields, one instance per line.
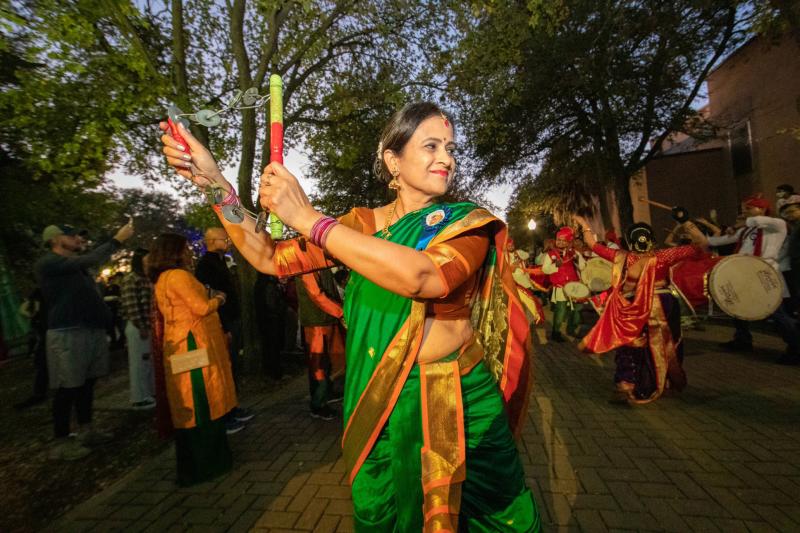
x=741, y=149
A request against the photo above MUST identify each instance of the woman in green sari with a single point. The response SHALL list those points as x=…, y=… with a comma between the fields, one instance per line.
x=438, y=347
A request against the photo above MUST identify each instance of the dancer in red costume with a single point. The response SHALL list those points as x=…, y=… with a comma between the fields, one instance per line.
x=641, y=319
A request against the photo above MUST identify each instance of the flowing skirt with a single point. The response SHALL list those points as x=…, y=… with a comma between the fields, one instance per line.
x=202, y=452
x=636, y=365
x=387, y=491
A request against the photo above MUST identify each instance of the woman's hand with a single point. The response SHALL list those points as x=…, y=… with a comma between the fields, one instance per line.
x=220, y=296
x=581, y=222
x=280, y=193
x=198, y=166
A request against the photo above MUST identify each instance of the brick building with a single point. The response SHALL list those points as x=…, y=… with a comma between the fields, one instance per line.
x=753, y=104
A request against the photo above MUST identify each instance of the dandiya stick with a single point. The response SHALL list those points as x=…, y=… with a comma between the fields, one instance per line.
x=275, y=140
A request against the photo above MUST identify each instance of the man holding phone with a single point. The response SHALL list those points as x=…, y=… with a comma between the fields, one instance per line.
x=77, y=346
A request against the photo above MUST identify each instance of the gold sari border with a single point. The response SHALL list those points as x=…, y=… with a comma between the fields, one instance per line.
x=381, y=393
x=443, y=453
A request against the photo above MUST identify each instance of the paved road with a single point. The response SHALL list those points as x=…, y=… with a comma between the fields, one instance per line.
x=722, y=456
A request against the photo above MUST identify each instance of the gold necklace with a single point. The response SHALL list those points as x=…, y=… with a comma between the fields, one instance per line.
x=385, y=233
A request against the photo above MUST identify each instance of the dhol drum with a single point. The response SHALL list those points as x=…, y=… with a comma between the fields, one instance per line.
x=742, y=286
x=597, y=274
x=690, y=278
x=746, y=287
x=577, y=291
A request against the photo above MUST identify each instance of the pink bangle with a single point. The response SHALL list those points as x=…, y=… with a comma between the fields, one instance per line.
x=320, y=229
x=231, y=199
x=323, y=241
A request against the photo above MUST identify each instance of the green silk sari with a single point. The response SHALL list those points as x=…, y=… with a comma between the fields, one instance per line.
x=425, y=445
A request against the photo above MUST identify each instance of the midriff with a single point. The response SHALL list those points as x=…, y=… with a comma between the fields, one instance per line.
x=440, y=338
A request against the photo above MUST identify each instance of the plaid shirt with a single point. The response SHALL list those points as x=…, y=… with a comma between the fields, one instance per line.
x=136, y=295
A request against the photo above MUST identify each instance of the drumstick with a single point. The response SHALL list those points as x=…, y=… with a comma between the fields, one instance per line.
x=654, y=203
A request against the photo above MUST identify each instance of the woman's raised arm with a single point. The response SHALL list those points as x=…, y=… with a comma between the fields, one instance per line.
x=195, y=163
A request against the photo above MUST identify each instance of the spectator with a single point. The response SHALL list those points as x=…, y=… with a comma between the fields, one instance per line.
x=270, y=307
x=77, y=347
x=33, y=308
x=200, y=396
x=111, y=296
x=135, y=297
x=212, y=271
x=320, y=312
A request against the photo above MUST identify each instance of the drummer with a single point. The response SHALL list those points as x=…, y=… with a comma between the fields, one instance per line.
x=761, y=236
x=562, y=265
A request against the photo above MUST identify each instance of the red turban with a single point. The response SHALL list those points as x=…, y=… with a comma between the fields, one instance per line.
x=757, y=201
x=565, y=233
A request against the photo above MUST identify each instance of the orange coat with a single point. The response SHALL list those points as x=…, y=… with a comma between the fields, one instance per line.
x=184, y=303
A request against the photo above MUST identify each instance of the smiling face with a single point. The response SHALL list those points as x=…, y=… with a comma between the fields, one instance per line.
x=562, y=243
x=426, y=163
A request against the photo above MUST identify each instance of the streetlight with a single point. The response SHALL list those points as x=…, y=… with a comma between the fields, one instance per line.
x=531, y=224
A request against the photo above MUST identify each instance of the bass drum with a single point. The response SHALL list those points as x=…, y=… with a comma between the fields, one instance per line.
x=597, y=274
x=746, y=287
x=690, y=277
x=577, y=291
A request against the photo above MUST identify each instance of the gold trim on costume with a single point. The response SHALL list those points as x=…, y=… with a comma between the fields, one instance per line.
x=444, y=449
x=380, y=394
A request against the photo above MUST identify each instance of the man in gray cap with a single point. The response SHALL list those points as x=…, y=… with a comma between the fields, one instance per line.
x=77, y=347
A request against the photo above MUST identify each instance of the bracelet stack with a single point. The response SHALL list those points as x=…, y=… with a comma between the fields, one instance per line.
x=320, y=230
x=230, y=199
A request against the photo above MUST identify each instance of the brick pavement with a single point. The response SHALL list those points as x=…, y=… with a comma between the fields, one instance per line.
x=722, y=456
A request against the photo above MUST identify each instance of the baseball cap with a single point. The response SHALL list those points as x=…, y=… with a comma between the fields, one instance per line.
x=54, y=230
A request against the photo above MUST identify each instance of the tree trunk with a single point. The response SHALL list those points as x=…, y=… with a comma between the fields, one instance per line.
x=251, y=340
x=247, y=274
x=622, y=192
x=605, y=214
x=180, y=78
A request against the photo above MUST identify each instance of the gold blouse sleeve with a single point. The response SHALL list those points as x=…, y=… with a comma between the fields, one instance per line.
x=459, y=258
x=301, y=256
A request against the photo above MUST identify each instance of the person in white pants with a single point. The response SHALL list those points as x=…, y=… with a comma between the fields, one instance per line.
x=136, y=295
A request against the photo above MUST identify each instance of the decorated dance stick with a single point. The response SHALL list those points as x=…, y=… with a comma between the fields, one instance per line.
x=275, y=140
x=174, y=117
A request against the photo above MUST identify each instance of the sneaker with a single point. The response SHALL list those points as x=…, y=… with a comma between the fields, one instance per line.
x=233, y=426
x=144, y=405
x=241, y=414
x=323, y=413
x=94, y=437
x=736, y=346
x=68, y=450
x=337, y=398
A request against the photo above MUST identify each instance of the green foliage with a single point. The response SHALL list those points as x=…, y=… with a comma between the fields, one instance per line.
x=200, y=216
x=600, y=80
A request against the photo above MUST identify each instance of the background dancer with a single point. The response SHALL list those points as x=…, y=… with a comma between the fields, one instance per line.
x=641, y=318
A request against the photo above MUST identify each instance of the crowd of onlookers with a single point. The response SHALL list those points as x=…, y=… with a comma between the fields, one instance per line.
x=180, y=321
